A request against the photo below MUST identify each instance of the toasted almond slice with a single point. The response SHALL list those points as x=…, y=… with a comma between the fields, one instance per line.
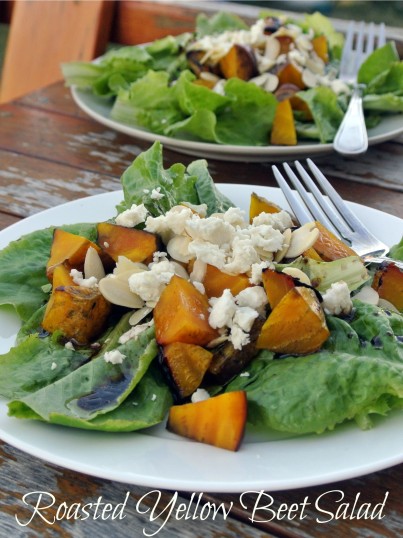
x=178, y=248
x=297, y=273
x=139, y=315
x=93, y=265
x=117, y=291
x=199, y=271
x=286, y=243
x=301, y=239
x=387, y=305
x=180, y=270
x=124, y=265
x=272, y=49
x=367, y=295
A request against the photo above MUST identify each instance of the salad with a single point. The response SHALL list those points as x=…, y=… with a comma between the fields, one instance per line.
x=275, y=82
x=182, y=306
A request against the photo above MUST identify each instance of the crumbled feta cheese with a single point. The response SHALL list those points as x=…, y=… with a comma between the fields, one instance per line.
x=244, y=317
x=79, y=279
x=208, y=253
x=254, y=297
x=69, y=345
x=337, y=299
x=173, y=221
x=256, y=272
x=150, y=284
x=53, y=366
x=156, y=194
x=114, y=356
x=211, y=229
x=106, y=244
x=238, y=337
x=244, y=374
x=199, y=395
x=222, y=310
x=153, y=397
x=279, y=221
x=133, y=216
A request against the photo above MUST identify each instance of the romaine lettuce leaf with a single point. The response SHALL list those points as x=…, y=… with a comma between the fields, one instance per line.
x=146, y=406
x=23, y=268
x=396, y=252
x=377, y=62
x=326, y=111
x=355, y=375
x=388, y=102
x=98, y=386
x=219, y=22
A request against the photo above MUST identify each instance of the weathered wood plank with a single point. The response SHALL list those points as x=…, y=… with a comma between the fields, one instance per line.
x=22, y=474
x=7, y=220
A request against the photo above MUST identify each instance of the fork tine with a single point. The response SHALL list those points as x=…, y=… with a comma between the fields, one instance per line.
x=355, y=224
x=359, y=47
x=347, y=49
x=381, y=36
x=315, y=210
x=331, y=219
x=299, y=211
x=370, y=42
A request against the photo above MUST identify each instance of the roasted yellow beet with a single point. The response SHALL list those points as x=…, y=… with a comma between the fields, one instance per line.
x=259, y=204
x=319, y=44
x=290, y=74
x=388, y=282
x=239, y=62
x=219, y=421
x=70, y=248
x=187, y=364
x=329, y=247
x=296, y=325
x=80, y=313
x=216, y=281
x=181, y=315
x=283, y=131
x=136, y=245
x=276, y=285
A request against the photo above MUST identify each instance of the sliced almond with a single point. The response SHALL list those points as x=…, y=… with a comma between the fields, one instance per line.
x=124, y=265
x=309, y=79
x=117, y=291
x=180, y=270
x=297, y=273
x=367, y=295
x=93, y=265
x=272, y=49
x=387, y=305
x=199, y=271
x=178, y=248
x=286, y=243
x=301, y=239
x=139, y=315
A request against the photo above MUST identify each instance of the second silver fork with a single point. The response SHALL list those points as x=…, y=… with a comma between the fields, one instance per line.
x=352, y=138
x=330, y=210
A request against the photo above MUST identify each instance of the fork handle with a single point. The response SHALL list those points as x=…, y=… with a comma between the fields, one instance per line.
x=352, y=138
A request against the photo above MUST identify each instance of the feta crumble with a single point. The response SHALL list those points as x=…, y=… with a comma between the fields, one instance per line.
x=337, y=300
x=114, y=356
x=53, y=366
x=78, y=278
x=153, y=397
x=199, y=395
x=156, y=194
x=133, y=216
x=69, y=345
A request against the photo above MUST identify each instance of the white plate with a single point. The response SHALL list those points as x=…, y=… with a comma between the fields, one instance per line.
x=99, y=109
x=155, y=458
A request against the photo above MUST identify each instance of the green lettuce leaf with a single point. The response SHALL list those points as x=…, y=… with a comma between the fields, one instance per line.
x=219, y=22
x=146, y=406
x=207, y=191
x=23, y=268
x=388, y=102
x=98, y=386
x=377, y=62
x=326, y=111
x=396, y=252
x=323, y=25
x=358, y=373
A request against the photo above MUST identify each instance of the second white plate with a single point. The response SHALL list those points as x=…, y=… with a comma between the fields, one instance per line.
x=99, y=109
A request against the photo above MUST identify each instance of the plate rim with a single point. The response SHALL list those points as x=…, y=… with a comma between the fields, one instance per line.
x=251, y=450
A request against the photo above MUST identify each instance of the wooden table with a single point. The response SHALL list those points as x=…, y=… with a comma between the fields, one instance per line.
x=50, y=153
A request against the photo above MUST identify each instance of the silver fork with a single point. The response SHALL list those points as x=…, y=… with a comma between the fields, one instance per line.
x=331, y=211
x=352, y=138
